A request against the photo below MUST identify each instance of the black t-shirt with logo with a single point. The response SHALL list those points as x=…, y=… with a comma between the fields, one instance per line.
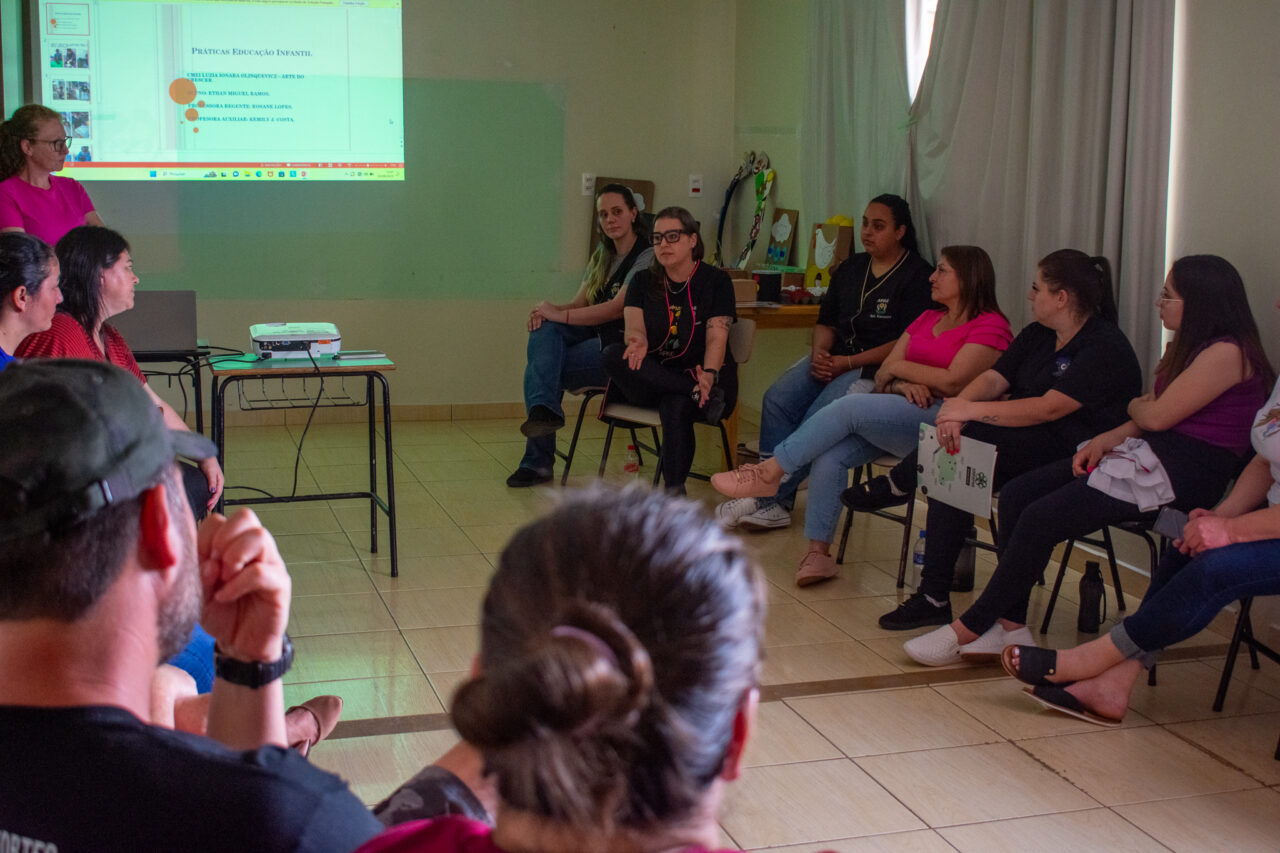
x=675, y=316
x=1097, y=368
x=866, y=311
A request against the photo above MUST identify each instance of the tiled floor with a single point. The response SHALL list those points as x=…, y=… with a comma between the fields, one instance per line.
x=857, y=748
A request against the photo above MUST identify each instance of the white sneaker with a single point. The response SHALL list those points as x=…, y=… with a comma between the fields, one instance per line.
x=770, y=517
x=939, y=647
x=987, y=648
x=731, y=512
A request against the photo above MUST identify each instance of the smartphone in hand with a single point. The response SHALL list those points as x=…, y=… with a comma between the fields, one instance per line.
x=1170, y=522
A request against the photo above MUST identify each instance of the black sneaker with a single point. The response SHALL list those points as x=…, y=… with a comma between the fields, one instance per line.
x=916, y=612
x=542, y=422
x=524, y=477
x=874, y=494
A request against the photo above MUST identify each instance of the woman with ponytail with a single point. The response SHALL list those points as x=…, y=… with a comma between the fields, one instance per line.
x=619, y=656
x=1195, y=424
x=33, y=145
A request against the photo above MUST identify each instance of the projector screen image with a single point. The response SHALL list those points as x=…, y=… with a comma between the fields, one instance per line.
x=234, y=90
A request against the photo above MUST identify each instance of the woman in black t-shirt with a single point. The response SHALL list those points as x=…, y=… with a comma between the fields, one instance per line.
x=565, y=340
x=676, y=356
x=1066, y=377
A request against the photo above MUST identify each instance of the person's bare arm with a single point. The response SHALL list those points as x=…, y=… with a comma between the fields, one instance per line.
x=1209, y=374
x=635, y=336
x=969, y=362
x=209, y=467
x=92, y=218
x=1027, y=411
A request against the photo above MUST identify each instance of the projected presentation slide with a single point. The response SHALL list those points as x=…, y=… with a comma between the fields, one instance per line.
x=234, y=90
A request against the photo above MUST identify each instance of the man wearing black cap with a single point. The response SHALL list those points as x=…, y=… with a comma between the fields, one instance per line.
x=101, y=578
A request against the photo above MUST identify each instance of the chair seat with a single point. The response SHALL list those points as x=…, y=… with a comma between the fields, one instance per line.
x=632, y=414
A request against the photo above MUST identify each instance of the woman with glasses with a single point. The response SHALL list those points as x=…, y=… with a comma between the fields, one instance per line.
x=676, y=353
x=565, y=340
x=33, y=145
x=873, y=297
x=1195, y=423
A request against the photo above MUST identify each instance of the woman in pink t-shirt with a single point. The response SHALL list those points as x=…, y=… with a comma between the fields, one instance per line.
x=33, y=146
x=935, y=357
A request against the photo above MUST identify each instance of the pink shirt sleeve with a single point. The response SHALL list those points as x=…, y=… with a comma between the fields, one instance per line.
x=48, y=214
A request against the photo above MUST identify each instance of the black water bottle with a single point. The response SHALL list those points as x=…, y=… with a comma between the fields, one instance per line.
x=1091, y=599
x=966, y=564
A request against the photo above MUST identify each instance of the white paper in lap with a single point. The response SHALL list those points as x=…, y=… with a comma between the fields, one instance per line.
x=964, y=480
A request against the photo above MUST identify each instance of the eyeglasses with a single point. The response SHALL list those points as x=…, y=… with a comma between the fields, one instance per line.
x=668, y=236
x=1165, y=297
x=62, y=144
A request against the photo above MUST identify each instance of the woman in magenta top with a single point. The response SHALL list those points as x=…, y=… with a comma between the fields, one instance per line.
x=940, y=352
x=616, y=683
x=33, y=199
x=1197, y=420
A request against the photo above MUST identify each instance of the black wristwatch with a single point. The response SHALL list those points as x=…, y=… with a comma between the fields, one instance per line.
x=253, y=674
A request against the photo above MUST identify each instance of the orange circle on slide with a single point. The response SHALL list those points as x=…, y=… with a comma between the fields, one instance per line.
x=200, y=104
x=191, y=114
x=182, y=90
x=195, y=130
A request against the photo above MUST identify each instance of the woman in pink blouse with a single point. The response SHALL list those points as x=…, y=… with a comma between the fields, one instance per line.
x=33, y=146
x=940, y=352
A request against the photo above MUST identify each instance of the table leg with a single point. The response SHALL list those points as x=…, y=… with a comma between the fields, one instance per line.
x=390, y=462
x=218, y=418
x=373, y=469
x=197, y=392
x=731, y=430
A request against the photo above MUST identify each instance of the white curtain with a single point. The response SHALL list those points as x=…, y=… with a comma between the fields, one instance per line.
x=854, y=137
x=1039, y=125
x=1044, y=125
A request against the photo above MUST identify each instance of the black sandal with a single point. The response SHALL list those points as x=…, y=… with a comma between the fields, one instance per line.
x=1033, y=666
x=1056, y=698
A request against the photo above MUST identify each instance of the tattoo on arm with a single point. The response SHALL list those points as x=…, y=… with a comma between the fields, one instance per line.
x=718, y=323
x=991, y=419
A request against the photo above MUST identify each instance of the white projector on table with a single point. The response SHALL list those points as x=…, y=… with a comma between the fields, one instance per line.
x=294, y=340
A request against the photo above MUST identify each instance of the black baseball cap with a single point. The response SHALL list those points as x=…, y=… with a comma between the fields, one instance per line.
x=77, y=436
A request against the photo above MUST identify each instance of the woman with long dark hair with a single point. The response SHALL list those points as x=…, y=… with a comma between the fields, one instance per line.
x=873, y=296
x=565, y=340
x=1195, y=423
x=676, y=356
x=29, y=292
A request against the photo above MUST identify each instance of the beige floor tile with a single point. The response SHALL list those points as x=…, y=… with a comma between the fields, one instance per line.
x=354, y=477
x=973, y=783
x=331, y=657
x=416, y=542
x=874, y=723
x=336, y=578
x=448, y=492
x=792, y=664
x=446, y=451
x=468, y=513
x=793, y=624
x=355, y=454
x=1071, y=832
x=338, y=614
x=412, y=433
x=460, y=469
x=1185, y=690
x=285, y=520
x=372, y=698
x=376, y=766
x=1001, y=704
x=858, y=617
x=276, y=481
x=436, y=572
x=315, y=548
x=491, y=537
x=1097, y=762
x=1248, y=742
x=354, y=435
x=855, y=580
x=444, y=649
x=1242, y=822
x=418, y=511
x=435, y=608
x=917, y=841
x=490, y=429
x=797, y=803
x=783, y=737
x=445, y=684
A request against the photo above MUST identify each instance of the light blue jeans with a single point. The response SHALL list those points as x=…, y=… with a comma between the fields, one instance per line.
x=852, y=431
x=558, y=357
x=792, y=399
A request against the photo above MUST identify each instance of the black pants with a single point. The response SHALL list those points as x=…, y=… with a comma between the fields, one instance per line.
x=1050, y=505
x=670, y=391
x=1019, y=450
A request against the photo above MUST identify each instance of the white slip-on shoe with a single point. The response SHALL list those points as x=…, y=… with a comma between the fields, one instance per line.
x=987, y=648
x=939, y=647
x=770, y=517
x=731, y=512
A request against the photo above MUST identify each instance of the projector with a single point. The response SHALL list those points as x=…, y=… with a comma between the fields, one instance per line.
x=294, y=340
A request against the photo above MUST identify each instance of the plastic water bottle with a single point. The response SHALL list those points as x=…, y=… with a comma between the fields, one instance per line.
x=631, y=462
x=917, y=562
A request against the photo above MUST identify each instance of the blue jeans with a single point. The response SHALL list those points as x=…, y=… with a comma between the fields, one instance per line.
x=852, y=431
x=1185, y=594
x=559, y=357
x=791, y=400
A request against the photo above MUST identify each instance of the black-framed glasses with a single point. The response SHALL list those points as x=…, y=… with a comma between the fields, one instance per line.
x=61, y=144
x=668, y=236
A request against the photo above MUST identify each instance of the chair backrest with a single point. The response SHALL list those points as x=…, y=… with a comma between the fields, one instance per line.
x=742, y=339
